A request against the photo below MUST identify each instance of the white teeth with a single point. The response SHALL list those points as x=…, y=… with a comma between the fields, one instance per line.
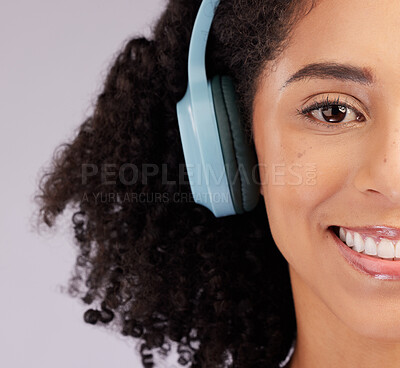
x=370, y=247
x=397, y=250
x=386, y=249
x=358, y=243
x=349, y=239
x=342, y=234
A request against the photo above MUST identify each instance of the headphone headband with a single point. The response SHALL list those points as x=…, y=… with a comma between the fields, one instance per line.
x=198, y=42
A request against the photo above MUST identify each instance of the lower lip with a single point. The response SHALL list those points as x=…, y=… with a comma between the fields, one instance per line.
x=379, y=268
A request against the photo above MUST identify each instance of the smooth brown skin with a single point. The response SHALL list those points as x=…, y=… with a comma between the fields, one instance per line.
x=344, y=318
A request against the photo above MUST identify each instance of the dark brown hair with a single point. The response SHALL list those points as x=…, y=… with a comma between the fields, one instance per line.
x=168, y=270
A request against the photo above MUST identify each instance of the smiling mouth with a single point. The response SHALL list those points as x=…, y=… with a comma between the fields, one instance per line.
x=372, y=244
x=369, y=253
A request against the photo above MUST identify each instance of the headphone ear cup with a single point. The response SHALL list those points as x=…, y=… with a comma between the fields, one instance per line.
x=239, y=155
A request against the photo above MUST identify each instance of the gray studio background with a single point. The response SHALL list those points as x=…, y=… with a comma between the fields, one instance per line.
x=54, y=57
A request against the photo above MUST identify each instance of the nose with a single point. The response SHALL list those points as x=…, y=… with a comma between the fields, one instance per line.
x=380, y=171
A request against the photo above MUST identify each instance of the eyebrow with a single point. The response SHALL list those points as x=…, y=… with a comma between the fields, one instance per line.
x=348, y=72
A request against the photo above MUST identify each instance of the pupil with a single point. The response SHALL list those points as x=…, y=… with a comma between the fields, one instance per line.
x=334, y=114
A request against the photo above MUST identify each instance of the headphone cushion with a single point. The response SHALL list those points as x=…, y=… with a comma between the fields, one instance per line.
x=239, y=155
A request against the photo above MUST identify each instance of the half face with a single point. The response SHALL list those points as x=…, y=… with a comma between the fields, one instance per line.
x=327, y=134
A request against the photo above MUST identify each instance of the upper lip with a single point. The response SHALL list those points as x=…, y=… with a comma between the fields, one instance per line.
x=375, y=230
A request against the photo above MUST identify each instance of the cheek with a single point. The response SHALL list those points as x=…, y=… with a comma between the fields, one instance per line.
x=300, y=180
x=304, y=177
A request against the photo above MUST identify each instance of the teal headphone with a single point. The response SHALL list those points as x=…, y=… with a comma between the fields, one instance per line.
x=220, y=163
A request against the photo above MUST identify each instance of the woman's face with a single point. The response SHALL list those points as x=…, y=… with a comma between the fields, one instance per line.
x=336, y=165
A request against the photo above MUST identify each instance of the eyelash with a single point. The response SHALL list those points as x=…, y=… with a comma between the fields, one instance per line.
x=325, y=104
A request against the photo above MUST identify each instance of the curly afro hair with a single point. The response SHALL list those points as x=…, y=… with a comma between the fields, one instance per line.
x=168, y=270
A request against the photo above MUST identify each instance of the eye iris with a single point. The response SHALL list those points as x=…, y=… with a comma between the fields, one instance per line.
x=334, y=113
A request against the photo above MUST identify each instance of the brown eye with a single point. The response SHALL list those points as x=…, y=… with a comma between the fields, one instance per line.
x=335, y=114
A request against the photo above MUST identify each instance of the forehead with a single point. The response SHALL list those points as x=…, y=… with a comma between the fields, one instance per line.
x=358, y=32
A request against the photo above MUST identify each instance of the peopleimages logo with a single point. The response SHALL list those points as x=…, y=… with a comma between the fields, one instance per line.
x=129, y=174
